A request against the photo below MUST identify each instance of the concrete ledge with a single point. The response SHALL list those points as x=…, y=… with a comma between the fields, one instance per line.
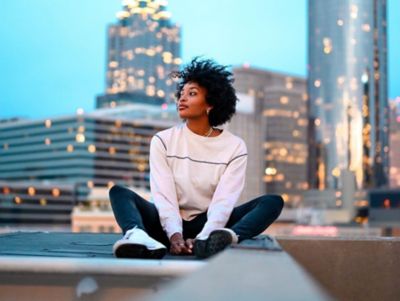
x=350, y=268
x=240, y=274
x=95, y=266
x=48, y=278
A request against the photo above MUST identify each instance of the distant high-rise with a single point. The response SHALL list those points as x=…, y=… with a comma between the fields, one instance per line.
x=394, y=143
x=272, y=119
x=143, y=48
x=347, y=87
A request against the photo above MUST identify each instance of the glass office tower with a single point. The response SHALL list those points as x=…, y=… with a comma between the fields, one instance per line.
x=347, y=87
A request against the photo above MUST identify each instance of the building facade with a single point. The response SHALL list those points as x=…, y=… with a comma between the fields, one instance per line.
x=143, y=49
x=81, y=151
x=394, y=143
x=272, y=119
x=347, y=88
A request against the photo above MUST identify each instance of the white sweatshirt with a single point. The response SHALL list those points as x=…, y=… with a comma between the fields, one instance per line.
x=191, y=174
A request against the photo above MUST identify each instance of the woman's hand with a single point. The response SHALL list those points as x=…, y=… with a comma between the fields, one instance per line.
x=189, y=245
x=177, y=244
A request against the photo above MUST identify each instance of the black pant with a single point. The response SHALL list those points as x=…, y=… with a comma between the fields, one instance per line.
x=247, y=220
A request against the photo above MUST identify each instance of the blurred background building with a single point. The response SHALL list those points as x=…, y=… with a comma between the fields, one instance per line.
x=394, y=143
x=48, y=166
x=272, y=119
x=143, y=48
x=347, y=87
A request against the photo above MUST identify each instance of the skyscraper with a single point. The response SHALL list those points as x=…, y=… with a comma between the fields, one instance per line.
x=272, y=119
x=143, y=48
x=394, y=143
x=347, y=87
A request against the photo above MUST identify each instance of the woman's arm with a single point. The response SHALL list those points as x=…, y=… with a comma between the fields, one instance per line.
x=162, y=187
x=226, y=194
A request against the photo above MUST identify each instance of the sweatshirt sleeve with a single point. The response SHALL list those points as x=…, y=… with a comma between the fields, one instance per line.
x=163, y=189
x=226, y=194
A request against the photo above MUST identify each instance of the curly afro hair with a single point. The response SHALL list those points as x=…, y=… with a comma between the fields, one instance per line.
x=217, y=81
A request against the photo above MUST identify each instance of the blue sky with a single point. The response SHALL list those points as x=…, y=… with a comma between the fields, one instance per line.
x=52, y=54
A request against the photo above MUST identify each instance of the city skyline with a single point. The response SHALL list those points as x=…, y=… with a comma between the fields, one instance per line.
x=63, y=68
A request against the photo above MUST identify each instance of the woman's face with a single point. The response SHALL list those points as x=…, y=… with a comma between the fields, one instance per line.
x=192, y=102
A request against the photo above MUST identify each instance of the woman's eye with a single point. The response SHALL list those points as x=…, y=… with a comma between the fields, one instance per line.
x=192, y=93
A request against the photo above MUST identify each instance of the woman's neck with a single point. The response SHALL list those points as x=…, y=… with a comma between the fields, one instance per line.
x=199, y=127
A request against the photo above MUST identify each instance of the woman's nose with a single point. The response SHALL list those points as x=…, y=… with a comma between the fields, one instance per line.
x=182, y=98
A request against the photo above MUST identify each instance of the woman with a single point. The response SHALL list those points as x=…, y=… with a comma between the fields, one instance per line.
x=197, y=173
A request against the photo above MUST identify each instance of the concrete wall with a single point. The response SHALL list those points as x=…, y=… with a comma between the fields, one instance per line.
x=350, y=268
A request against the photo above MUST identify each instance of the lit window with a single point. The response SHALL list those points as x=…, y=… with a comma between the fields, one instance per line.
x=90, y=184
x=317, y=83
x=150, y=90
x=327, y=42
x=284, y=100
x=151, y=52
x=112, y=150
x=270, y=171
x=283, y=151
x=43, y=202
x=336, y=172
x=80, y=138
x=91, y=148
x=113, y=64
x=55, y=192
x=177, y=61
x=160, y=93
x=31, y=191
x=70, y=148
x=17, y=200
x=366, y=27
x=47, y=123
x=47, y=141
x=340, y=22
x=354, y=11
x=340, y=80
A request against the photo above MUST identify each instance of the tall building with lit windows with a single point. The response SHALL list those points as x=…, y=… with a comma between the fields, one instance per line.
x=347, y=87
x=143, y=48
x=394, y=142
x=272, y=119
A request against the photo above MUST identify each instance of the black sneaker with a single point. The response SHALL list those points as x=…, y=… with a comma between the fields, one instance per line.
x=217, y=241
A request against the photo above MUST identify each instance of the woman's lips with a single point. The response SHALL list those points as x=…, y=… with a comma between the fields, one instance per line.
x=181, y=107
